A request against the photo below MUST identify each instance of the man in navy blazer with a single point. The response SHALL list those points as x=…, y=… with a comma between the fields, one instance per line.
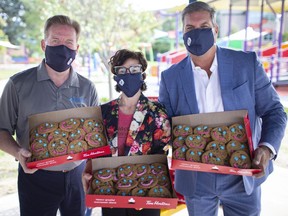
x=214, y=79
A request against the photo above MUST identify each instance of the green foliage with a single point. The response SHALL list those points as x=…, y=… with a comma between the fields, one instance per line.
x=162, y=45
x=285, y=37
x=12, y=21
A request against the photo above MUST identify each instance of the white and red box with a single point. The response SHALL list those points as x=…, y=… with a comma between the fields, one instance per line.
x=57, y=116
x=114, y=201
x=213, y=120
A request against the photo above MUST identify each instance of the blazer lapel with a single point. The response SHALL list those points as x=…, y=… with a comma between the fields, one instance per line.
x=187, y=79
x=225, y=71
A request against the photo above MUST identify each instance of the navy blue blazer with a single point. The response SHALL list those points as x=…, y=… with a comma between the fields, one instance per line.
x=244, y=85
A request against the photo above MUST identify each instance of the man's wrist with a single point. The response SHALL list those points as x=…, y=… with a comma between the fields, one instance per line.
x=269, y=150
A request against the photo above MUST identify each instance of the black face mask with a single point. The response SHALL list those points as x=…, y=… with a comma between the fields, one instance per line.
x=59, y=58
x=198, y=41
x=129, y=83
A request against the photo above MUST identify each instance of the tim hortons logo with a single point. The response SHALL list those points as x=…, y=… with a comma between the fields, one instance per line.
x=158, y=203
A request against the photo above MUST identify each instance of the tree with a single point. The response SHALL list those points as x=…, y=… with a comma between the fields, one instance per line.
x=12, y=20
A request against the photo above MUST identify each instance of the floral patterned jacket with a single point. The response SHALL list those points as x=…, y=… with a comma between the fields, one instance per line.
x=149, y=132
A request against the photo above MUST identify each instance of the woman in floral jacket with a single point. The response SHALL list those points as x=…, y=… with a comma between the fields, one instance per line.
x=134, y=124
x=148, y=132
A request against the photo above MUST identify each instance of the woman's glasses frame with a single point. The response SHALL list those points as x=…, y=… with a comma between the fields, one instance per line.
x=133, y=69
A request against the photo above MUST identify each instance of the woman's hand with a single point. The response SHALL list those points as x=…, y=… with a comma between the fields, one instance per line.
x=87, y=175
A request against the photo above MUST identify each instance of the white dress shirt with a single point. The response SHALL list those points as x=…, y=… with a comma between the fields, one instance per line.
x=208, y=92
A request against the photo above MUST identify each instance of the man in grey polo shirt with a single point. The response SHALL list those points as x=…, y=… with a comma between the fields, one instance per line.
x=53, y=85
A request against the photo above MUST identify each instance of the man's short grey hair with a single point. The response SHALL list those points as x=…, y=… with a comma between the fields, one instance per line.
x=62, y=20
x=199, y=6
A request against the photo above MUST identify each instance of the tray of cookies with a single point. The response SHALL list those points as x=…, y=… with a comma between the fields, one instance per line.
x=219, y=142
x=131, y=182
x=67, y=135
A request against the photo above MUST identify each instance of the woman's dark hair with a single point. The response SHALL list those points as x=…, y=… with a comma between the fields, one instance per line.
x=119, y=58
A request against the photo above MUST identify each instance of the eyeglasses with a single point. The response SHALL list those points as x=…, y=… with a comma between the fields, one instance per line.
x=133, y=69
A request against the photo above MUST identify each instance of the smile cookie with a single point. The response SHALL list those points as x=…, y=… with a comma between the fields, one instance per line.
x=158, y=168
x=57, y=147
x=77, y=146
x=58, y=133
x=126, y=184
x=105, y=190
x=47, y=127
x=142, y=169
x=195, y=141
x=78, y=134
x=95, y=139
x=147, y=181
x=159, y=191
x=126, y=170
x=238, y=133
x=92, y=125
x=240, y=159
x=221, y=133
x=70, y=124
x=104, y=175
x=182, y=130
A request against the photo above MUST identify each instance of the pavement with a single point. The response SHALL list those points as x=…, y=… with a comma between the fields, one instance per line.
x=274, y=194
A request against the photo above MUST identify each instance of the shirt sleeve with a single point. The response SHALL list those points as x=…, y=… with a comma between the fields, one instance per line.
x=9, y=103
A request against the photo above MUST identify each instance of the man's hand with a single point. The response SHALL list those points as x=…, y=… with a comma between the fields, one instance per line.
x=22, y=157
x=261, y=160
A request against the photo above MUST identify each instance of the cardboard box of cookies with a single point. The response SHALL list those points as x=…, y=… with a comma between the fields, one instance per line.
x=64, y=136
x=131, y=182
x=219, y=142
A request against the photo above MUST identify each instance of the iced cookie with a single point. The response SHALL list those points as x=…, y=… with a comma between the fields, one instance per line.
x=39, y=149
x=78, y=134
x=195, y=141
x=163, y=180
x=204, y=131
x=126, y=170
x=233, y=146
x=70, y=124
x=142, y=169
x=240, y=159
x=178, y=142
x=47, y=127
x=159, y=191
x=126, y=184
x=212, y=157
x=182, y=130
x=96, y=183
x=194, y=154
x=104, y=175
x=147, y=181
x=137, y=191
x=58, y=133
x=158, y=168
x=238, y=133
x=105, y=190
x=180, y=153
x=77, y=146
x=95, y=139
x=92, y=125
x=221, y=133
x=57, y=147
x=217, y=146
x=34, y=135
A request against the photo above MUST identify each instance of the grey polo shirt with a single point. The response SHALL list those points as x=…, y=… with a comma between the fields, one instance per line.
x=32, y=92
